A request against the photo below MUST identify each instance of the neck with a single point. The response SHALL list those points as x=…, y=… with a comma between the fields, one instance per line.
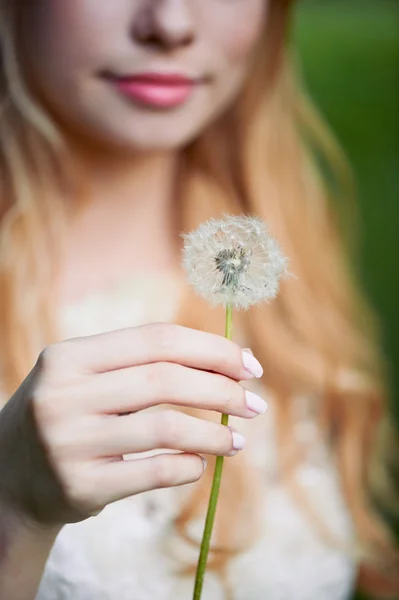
x=126, y=221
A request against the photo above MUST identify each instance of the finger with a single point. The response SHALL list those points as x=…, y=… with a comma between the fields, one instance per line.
x=125, y=478
x=167, y=429
x=138, y=388
x=161, y=342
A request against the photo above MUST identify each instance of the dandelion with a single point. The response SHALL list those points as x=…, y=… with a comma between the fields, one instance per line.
x=235, y=262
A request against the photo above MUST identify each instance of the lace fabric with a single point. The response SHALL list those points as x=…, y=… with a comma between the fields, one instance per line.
x=120, y=554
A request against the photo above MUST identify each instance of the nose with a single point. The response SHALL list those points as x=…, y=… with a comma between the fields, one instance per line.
x=167, y=24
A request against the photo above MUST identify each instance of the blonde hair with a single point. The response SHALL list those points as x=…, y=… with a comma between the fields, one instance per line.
x=316, y=339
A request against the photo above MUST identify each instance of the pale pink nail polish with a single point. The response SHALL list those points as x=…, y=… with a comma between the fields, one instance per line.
x=238, y=440
x=252, y=365
x=255, y=402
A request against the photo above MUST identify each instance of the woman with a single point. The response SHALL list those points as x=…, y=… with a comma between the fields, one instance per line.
x=124, y=123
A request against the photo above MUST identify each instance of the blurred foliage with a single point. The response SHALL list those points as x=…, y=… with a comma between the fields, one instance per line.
x=350, y=57
x=349, y=51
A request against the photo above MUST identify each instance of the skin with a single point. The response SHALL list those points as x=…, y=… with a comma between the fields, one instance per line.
x=76, y=42
x=66, y=415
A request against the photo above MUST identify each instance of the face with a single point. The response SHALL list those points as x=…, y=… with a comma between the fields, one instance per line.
x=140, y=74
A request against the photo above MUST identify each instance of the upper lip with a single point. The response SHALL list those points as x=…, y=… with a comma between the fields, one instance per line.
x=160, y=76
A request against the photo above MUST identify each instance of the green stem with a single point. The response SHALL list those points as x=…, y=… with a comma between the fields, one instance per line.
x=217, y=477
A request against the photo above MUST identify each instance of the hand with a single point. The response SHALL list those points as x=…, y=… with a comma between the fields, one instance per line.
x=64, y=432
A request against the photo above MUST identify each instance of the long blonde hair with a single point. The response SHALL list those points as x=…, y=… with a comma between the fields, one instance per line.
x=317, y=339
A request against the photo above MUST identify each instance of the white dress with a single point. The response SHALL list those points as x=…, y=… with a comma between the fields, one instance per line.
x=123, y=553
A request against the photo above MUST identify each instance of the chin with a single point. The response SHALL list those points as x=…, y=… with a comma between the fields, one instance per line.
x=160, y=138
x=147, y=130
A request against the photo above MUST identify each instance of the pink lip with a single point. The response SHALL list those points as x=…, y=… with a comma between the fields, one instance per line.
x=156, y=89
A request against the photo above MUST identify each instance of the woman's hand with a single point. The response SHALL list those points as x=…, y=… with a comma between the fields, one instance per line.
x=64, y=432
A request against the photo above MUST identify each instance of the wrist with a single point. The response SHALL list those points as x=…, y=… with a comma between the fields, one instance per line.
x=14, y=524
x=24, y=549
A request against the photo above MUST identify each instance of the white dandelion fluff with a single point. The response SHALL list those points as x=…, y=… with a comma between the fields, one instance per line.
x=234, y=260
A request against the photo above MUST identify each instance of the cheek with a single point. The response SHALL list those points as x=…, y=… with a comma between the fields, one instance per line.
x=238, y=47
x=236, y=29
x=66, y=33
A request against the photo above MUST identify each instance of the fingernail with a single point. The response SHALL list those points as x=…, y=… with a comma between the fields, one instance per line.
x=255, y=402
x=238, y=440
x=252, y=365
x=204, y=462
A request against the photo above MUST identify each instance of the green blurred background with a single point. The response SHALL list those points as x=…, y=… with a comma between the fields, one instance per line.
x=349, y=51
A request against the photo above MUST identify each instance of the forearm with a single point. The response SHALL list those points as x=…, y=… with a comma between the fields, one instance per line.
x=24, y=549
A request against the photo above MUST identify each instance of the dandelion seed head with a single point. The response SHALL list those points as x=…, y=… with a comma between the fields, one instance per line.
x=234, y=260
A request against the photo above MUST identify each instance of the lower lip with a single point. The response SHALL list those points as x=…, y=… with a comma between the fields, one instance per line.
x=156, y=94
